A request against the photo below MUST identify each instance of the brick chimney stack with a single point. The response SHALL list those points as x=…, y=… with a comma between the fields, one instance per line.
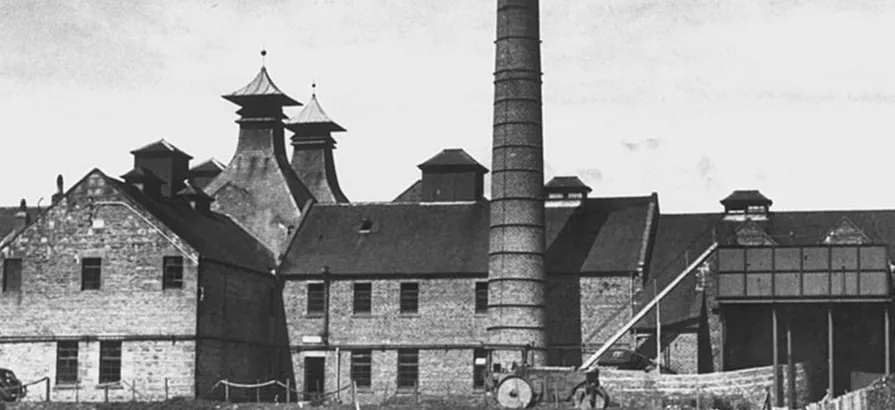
x=59, y=193
x=516, y=275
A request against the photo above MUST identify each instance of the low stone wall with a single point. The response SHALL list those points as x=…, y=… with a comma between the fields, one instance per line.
x=746, y=388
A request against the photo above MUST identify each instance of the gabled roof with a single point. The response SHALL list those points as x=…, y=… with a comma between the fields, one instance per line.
x=567, y=184
x=261, y=88
x=751, y=196
x=602, y=236
x=453, y=157
x=160, y=147
x=313, y=116
x=211, y=234
x=210, y=165
x=690, y=234
x=192, y=191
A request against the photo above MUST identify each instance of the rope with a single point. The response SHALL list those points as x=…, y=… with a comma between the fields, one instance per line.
x=247, y=386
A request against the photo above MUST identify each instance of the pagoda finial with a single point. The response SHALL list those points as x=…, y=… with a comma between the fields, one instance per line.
x=263, y=56
x=313, y=89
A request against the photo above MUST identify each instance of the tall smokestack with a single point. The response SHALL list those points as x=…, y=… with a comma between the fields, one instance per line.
x=516, y=255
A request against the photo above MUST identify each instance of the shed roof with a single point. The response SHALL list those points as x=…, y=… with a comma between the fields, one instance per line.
x=453, y=157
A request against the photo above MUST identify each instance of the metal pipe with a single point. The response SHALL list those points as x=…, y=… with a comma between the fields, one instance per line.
x=887, y=337
x=830, y=348
x=790, y=368
x=778, y=398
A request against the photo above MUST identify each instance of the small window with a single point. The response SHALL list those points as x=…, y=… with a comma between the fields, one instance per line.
x=481, y=297
x=315, y=299
x=109, y=362
x=172, y=272
x=361, y=367
x=576, y=195
x=408, y=368
x=363, y=298
x=479, y=365
x=12, y=275
x=410, y=293
x=67, y=362
x=555, y=195
x=91, y=272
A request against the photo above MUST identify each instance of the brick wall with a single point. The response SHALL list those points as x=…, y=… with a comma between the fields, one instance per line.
x=240, y=317
x=605, y=307
x=442, y=372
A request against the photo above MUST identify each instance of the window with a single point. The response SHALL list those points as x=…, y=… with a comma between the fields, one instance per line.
x=410, y=293
x=12, y=275
x=408, y=368
x=172, y=272
x=109, y=362
x=481, y=297
x=91, y=269
x=315, y=299
x=361, y=367
x=67, y=362
x=363, y=295
x=479, y=363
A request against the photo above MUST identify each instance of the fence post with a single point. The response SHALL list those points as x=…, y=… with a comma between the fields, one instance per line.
x=166, y=389
x=257, y=391
x=354, y=395
x=106, y=389
x=288, y=390
x=226, y=391
x=134, y=390
x=77, y=391
x=48, y=388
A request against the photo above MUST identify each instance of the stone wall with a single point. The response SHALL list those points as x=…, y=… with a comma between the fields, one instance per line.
x=144, y=367
x=752, y=385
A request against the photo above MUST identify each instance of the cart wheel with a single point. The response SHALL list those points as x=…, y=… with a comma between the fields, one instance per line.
x=583, y=399
x=514, y=393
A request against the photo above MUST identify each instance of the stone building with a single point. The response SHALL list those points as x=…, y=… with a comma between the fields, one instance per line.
x=174, y=277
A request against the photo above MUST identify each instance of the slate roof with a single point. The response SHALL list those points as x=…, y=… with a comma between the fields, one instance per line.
x=413, y=193
x=453, y=157
x=602, y=235
x=261, y=87
x=160, y=146
x=210, y=165
x=213, y=235
x=314, y=116
x=693, y=232
x=567, y=183
x=750, y=196
x=140, y=174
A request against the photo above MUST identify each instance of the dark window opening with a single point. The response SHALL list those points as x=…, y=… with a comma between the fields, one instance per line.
x=91, y=272
x=410, y=293
x=67, y=362
x=362, y=367
x=479, y=365
x=363, y=298
x=315, y=299
x=12, y=275
x=172, y=272
x=109, y=362
x=366, y=226
x=408, y=368
x=481, y=297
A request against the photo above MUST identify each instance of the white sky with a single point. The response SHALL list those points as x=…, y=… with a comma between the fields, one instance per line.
x=689, y=98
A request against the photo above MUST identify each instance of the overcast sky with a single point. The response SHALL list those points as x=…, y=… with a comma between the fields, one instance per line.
x=688, y=98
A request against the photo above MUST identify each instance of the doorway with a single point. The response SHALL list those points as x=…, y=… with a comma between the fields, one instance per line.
x=314, y=372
